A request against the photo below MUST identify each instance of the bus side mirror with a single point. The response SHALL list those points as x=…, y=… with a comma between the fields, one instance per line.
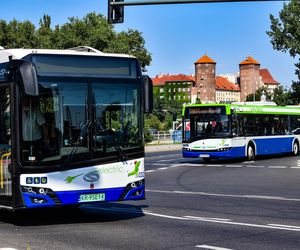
x=24, y=73
x=148, y=94
x=29, y=79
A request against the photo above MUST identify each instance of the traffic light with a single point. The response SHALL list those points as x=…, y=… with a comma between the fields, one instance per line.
x=115, y=12
x=174, y=116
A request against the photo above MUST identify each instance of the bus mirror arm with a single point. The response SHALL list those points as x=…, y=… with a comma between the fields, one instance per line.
x=24, y=72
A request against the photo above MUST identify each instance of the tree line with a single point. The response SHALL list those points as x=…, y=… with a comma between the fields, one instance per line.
x=92, y=30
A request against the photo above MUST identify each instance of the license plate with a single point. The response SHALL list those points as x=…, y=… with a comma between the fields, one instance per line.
x=203, y=156
x=92, y=197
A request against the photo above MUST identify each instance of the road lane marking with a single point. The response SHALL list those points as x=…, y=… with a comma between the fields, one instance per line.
x=166, y=160
x=277, y=167
x=161, y=156
x=199, y=219
x=219, y=165
x=212, y=247
x=254, y=166
x=234, y=166
x=8, y=248
x=149, y=171
x=162, y=168
x=159, y=164
x=249, y=196
x=287, y=226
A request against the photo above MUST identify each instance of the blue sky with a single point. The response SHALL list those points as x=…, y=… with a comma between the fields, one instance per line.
x=178, y=35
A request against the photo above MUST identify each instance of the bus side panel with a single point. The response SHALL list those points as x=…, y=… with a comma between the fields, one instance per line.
x=268, y=146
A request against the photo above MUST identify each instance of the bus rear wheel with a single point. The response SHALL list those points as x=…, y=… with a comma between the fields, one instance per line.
x=295, y=148
x=250, y=153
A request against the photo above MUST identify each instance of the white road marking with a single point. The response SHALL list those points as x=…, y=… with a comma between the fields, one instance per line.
x=149, y=171
x=209, y=220
x=166, y=160
x=287, y=226
x=214, y=165
x=277, y=167
x=162, y=168
x=295, y=167
x=200, y=218
x=8, y=248
x=233, y=166
x=159, y=164
x=161, y=156
x=254, y=166
x=212, y=247
x=226, y=195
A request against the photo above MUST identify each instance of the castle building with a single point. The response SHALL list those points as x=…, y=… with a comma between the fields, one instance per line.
x=208, y=87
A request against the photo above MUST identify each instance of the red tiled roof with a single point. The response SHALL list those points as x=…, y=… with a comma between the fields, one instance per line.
x=267, y=77
x=205, y=59
x=222, y=83
x=160, y=80
x=249, y=60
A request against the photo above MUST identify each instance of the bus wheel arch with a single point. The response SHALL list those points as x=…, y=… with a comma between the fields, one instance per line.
x=250, y=153
x=295, y=147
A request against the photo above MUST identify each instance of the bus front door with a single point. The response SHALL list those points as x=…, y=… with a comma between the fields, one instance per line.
x=5, y=146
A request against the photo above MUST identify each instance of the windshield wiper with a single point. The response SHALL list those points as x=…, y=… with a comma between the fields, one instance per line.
x=111, y=134
x=83, y=131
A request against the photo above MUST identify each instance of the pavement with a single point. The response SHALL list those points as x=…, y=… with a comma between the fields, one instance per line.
x=162, y=147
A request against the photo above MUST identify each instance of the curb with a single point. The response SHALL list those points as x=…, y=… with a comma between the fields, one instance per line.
x=161, y=148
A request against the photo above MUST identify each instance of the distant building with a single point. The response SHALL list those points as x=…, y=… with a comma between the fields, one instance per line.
x=208, y=87
x=173, y=87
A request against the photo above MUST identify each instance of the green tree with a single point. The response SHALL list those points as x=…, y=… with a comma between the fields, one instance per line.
x=92, y=30
x=131, y=42
x=45, y=34
x=282, y=96
x=258, y=94
x=285, y=36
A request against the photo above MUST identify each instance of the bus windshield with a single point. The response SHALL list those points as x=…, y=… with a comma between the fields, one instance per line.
x=205, y=122
x=79, y=120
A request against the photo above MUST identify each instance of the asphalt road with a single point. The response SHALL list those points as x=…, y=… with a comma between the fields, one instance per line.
x=190, y=205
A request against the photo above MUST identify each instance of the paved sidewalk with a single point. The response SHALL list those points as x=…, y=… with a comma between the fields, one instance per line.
x=162, y=147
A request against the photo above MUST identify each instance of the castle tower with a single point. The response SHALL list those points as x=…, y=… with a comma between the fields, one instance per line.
x=205, y=78
x=249, y=77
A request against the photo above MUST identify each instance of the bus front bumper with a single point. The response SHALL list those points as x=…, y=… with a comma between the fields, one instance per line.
x=224, y=153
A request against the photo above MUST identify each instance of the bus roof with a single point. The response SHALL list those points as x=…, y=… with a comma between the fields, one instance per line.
x=80, y=51
x=251, y=108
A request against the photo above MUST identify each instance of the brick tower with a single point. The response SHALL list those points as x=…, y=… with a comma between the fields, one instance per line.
x=249, y=77
x=205, y=78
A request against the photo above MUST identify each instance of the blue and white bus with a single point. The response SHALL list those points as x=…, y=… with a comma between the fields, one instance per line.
x=71, y=127
x=212, y=131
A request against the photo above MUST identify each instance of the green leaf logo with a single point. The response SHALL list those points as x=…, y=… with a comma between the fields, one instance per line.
x=70, y=179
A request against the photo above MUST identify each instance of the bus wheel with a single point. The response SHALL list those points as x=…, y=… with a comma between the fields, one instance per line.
x=295, y=148
x=250, y=153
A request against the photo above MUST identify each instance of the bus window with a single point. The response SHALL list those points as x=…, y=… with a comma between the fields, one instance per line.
x=116, y=112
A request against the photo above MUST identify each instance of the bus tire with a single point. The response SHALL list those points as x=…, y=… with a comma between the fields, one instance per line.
x=250, y=153
x=295, y=148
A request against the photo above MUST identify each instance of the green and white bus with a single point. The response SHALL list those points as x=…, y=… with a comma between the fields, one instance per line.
x=248, y=129
x=71, y=127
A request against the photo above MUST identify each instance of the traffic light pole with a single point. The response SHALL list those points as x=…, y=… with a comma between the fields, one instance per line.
x=116, y=7
x=157, y=2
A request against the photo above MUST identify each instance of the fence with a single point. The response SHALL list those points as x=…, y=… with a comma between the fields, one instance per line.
x=167, y=137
